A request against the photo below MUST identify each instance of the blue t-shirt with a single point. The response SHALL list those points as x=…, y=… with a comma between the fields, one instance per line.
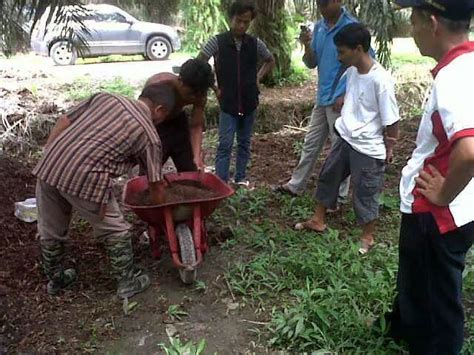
x=331, y=81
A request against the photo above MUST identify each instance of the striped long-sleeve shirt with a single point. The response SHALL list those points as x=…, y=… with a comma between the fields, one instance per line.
x=108, y=135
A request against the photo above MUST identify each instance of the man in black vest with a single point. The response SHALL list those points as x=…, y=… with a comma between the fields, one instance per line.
x=236, y=57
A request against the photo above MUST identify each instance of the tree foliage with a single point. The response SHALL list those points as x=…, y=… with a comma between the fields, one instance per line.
x=202, y=19
x=164, y=11
x=379, y=16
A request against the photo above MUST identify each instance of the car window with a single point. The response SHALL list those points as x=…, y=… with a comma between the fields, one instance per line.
x=110, y=17
x=118, y=17
x=89, y=16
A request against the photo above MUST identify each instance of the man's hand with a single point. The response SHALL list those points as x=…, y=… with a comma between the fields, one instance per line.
x=390, y=138
x=305, y=37
x=199, y=163
x=157, y=192
x=430, y=184
x=337, y=107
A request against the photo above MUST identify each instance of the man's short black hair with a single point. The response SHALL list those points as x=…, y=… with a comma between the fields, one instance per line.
x=197, y=75
x=241, y=7
x=353, y=35
x=160, y=94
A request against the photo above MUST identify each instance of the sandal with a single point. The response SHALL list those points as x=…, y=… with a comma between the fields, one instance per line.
x=365, y=246
x=245, y=184
x=334, y=210
x=308, y=226
x=283, y=189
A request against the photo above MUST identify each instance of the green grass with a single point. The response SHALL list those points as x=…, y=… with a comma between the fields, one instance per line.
x=316, y=291
x=399, y=60
x=175, y=312
x=84, y=87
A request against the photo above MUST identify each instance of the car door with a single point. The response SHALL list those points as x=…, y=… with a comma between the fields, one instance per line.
x=93, y=36
x=119, y=35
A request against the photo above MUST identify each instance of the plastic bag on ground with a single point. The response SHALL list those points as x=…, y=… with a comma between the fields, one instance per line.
x=26, y=210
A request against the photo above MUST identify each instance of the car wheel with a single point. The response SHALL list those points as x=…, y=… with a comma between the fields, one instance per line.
x=63, y=53
x=158, y=48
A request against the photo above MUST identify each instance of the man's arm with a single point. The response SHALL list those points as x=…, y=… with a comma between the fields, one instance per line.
x=340, y=93
x=196, y=128
x=157, y=192
x=65, y=121
x=266, y=68
x=389, y=112
x=309, y=57
x=61, y=124
x=207, y=51
x=205, y=58
x=268, y=60
x=391, y=135
x=151, y=160
x=441, y=190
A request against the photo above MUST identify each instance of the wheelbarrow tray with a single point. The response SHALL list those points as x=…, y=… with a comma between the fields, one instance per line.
x=182, y=210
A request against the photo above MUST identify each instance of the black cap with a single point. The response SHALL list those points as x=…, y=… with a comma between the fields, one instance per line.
x=451, y=9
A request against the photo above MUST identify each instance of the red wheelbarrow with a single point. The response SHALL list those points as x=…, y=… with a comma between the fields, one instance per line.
x=181, y=222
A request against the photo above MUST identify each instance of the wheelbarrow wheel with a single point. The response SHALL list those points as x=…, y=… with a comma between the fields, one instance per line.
x=188, y=256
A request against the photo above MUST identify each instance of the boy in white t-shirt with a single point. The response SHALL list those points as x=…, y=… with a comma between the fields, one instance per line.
x=368, y=129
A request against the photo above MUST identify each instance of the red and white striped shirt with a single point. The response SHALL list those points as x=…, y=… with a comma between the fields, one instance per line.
x=108, y=135
x=448, y=116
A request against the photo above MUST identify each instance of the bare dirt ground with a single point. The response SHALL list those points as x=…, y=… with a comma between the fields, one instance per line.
x=87, y=317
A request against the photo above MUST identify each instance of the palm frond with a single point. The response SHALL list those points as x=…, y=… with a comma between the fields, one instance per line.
x=379, y=16
x=18, y=18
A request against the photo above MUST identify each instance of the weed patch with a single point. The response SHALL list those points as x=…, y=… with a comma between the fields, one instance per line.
x=316, y=292
x=83, y=88
x=177, y=347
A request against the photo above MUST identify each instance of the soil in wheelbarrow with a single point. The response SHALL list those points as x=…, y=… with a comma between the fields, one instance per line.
x=176, y=192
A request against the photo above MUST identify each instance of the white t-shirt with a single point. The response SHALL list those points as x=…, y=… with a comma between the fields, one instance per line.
x=369, y=106
x=448, y=116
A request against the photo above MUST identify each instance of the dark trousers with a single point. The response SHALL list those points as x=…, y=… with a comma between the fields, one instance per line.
x=176, y=142
x=428, y=311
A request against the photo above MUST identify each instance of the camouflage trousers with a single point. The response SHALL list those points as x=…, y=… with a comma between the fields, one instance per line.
x=54, y=215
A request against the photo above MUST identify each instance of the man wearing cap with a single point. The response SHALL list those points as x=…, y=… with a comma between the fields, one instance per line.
x=436, y=188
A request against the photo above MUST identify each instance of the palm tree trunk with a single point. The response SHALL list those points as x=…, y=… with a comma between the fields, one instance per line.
x=270, y=26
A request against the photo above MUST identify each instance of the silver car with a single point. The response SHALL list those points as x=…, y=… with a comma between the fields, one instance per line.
x=110, y=30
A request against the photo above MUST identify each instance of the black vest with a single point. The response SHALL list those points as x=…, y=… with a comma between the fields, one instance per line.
x=237, y=74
